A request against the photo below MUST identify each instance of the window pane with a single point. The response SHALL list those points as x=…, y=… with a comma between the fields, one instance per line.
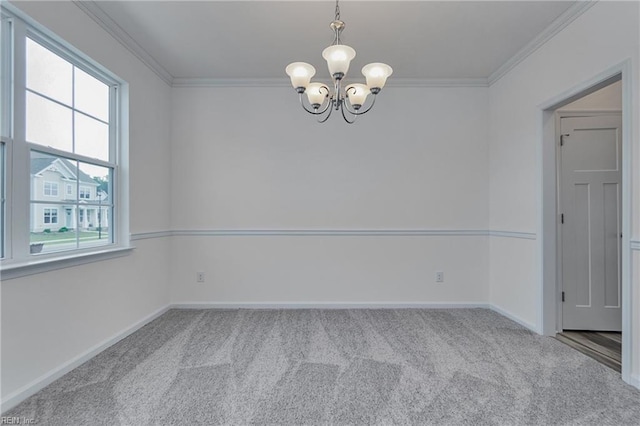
x=92, y=137
x=95, y=180
x=48, y=123
x=96, y=229
x=95, y=205
x=52, y=228
x=2, y=200
x=47, y=73
x=49, y=177
x=5, y=77
x=91, y=95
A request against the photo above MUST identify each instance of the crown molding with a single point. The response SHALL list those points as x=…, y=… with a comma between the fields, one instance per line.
x=438, y=82
x=561, y=22
x=182, y=82
x=109, y=25
x=94, y=11
x=230, y=82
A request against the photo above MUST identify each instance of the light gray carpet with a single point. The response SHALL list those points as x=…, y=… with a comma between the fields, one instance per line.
x=293, y=367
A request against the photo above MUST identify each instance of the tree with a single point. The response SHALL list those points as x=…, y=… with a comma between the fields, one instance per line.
x=103, y=184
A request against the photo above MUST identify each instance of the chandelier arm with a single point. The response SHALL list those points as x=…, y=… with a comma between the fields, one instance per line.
x=329, y=102
x=313, y=112
x=322, y=120
x=355, y=116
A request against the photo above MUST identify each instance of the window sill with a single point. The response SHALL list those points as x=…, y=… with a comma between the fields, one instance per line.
x=11, y=270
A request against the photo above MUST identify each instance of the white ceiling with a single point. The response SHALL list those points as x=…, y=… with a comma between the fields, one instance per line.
x=257, y=39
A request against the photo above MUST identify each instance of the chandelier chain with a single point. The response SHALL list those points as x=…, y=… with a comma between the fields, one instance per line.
x=337, y=11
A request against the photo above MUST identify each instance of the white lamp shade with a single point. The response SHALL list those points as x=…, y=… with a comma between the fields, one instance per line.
x=376, y=74
x=300, y=73
x=357, y=93
x=338, y=58
x=316, y=93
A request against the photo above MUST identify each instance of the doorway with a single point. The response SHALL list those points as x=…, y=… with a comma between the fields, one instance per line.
x=588, y=250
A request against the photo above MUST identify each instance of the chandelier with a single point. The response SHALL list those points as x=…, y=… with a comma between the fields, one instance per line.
x=321, y=100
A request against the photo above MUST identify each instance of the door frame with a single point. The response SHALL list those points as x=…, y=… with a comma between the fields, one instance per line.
x=547, y=169
x=559, y=115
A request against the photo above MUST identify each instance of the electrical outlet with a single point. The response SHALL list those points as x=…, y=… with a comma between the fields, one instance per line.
x=439, y=277
x=200, y=277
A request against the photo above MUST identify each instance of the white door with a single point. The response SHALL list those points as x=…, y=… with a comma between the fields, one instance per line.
x=590, y=200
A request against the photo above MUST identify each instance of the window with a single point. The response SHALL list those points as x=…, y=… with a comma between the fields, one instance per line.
x=51, y=189
x=2, y=198
x=65, y=111
x=5, y=120
x=51, y=215
x=85, y=192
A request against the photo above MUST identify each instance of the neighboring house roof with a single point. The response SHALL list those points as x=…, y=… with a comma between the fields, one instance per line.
x=40, y=164
x=105, y=198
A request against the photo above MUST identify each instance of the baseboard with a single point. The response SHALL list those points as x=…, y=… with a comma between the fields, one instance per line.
x=514, y=317
x=41, y=382
x=326, y=305
x=353, y=305
x=634, y=380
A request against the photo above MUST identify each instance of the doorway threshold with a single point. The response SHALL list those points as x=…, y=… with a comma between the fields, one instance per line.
x=603, y=346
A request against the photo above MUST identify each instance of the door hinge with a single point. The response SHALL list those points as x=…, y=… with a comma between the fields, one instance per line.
x=562, y=138
x=563, y=296
x=561, y=217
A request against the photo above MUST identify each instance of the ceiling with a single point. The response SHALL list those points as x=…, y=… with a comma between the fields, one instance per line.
x=257, y=39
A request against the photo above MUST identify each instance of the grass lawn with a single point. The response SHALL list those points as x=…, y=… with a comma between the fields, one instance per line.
x=55, y=237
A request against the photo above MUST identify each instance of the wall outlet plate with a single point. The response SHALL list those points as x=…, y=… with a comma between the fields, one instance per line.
x=439, y=277
x=200, y=277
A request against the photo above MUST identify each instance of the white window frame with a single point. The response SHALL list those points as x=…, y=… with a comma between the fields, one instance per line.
x=52, y=186
x=17, y=260
x=52, y=212
x=85, y=190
